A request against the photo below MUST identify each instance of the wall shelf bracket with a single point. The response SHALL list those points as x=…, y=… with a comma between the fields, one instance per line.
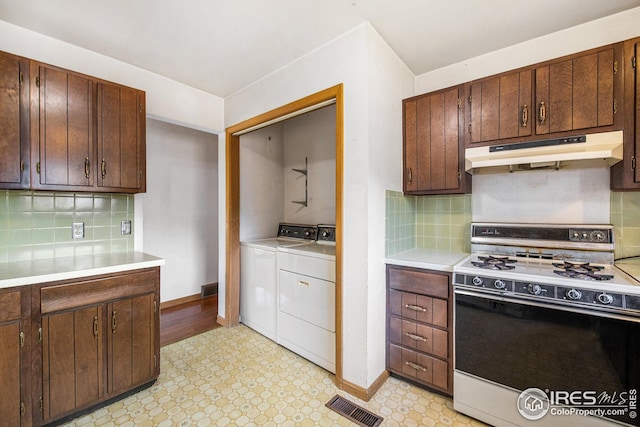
x=306, y=179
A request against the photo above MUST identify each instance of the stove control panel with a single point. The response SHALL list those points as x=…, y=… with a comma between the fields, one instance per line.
x=561, y=294
x=590, y=235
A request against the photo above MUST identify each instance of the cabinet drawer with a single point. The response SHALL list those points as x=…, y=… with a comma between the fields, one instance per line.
x=418, y=307
x=98, y=290
x=9, y=306
x=419, y=282
x=419, y=366
x=419, y=337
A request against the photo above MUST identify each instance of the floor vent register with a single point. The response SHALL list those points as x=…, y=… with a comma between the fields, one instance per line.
x=353, y=412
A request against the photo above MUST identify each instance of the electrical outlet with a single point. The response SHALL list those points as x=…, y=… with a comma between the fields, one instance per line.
x=125, y=227
x=77, y=229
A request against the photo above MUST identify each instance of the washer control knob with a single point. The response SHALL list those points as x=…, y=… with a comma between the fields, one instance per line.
x=499, y=284
x=574, y=294
x=477, y=281
x=605, y=298
x=534, y=289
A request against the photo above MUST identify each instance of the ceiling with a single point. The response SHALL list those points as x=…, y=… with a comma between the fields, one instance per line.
x=221, y=46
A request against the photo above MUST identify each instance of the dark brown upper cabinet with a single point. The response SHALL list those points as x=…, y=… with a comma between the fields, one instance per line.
x=14, y=120
x=121, y=138
x=576, y=93
x=62, y=134
x=572, y=95
x=66, y=131
x=625, y=175
x=500, y=107
x=433, y=162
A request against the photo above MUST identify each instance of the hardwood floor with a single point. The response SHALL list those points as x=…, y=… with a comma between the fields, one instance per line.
x=188, y=319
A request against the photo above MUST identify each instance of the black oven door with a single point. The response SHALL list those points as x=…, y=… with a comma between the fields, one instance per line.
x=523, y=344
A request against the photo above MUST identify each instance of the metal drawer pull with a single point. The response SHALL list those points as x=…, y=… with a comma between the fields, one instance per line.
x=416, y=337
x=415, y=366
x=525, y=115
x=114, y=322
x=414, y=307
x=103, y=167
x=304, y=283
x=87, y=167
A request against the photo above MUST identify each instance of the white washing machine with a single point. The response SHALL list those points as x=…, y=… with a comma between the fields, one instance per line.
x=307, y=299
x=259, y=276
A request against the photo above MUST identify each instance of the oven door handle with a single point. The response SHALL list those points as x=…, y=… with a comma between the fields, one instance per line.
x=512, y=297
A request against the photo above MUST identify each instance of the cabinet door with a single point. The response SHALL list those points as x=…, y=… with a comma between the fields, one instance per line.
x=11, y=342
x=432, y=143
x=14, y=133
x=121, y=138
x=72, y=353
x=131, y=342
x=499, y=107
x=576, y=93
x=63, y=138
x=636, y=111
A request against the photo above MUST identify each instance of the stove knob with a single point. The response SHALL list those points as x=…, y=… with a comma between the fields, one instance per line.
x=604, y=298
x=477, y=281
x=574, y=294
x=499, y=284
x=325, y=233
x=307, y=233
x=534, y=289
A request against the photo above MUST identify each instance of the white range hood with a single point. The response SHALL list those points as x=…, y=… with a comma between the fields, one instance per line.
x=596, y=149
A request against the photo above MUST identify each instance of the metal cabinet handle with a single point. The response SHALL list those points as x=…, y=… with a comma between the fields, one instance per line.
x=104, y=169
x=87, y=167
x=414, y=307
x=416, y=337
x=95, y=327
x=410, y=175
x=114, y=322
x=542, y=112
x=416, y=366
x=525, y=115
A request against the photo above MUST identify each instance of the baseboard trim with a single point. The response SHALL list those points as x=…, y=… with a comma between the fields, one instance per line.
x=364, y=393
x=222, y=321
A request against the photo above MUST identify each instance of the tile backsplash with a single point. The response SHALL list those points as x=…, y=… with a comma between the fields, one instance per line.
x=37, y=225
x=427, y=222
x=625, y=216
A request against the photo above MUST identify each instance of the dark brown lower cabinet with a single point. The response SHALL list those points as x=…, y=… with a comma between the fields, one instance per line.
x=71, y=359
x=100, y=339
x=419, y=327
x=14, y=357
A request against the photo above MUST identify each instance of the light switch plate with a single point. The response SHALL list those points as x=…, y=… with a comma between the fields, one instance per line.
x=125, y=227
x=77, y=230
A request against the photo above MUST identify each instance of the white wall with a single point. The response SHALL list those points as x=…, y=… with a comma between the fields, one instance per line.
x=180, y=217
x=572, y=196
x=261, y=182
x=371, y=163
x=311, y=135
x=167, y=100
x=390, y=81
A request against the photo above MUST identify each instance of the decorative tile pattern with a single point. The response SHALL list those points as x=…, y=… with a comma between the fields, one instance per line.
x=237, y=377
x=625, y=216
x=427, y=222
x=37, y=225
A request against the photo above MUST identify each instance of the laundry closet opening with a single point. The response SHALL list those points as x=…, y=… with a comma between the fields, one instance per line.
x=285, y=166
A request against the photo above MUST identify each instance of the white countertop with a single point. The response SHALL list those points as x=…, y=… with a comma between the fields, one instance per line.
x=53, y=269
x=630, y=266
x=427, y=258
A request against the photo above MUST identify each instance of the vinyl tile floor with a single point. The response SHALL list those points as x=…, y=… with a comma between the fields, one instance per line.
x=237, y=377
